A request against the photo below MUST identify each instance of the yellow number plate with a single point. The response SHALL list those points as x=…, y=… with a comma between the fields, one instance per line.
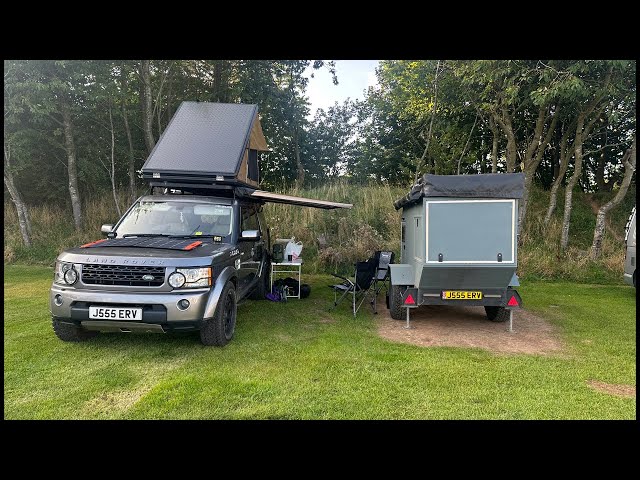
x=461, y=295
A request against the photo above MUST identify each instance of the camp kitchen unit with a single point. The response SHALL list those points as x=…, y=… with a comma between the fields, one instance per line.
x=459, y=244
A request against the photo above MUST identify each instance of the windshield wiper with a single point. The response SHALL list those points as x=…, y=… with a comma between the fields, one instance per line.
x=146, y=235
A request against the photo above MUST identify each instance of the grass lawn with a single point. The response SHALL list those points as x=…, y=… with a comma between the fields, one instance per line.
x=299, y=360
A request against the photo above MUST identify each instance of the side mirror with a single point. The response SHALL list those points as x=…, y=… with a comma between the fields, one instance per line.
x=250, y=235
x=106, y=228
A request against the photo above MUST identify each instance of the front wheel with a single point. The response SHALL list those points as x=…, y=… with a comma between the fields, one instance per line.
x=218, y=330
x=395, y=302
x=497, y=314
x=68, y=332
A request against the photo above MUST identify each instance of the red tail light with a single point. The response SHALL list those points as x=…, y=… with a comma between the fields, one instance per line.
x=513, y=302
x=409, y=300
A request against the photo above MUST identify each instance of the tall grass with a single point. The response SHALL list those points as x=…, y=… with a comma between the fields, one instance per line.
x=349, y=235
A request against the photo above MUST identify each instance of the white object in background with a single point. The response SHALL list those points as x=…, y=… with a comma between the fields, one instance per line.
x=294, y=249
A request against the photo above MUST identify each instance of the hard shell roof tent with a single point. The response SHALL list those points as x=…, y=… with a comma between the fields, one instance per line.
x=216, y=146
x=212, y=142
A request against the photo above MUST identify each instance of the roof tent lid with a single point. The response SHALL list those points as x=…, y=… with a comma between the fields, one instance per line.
x=204, y=137
x=488, y=185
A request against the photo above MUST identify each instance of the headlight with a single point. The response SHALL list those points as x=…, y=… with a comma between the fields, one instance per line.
x=65, y=274
x=176, y=280
x=71, y=276
x=191, y=277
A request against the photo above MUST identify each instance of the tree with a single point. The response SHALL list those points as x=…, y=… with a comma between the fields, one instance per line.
x=629, y=161
x=144, y=73
x=12, y=111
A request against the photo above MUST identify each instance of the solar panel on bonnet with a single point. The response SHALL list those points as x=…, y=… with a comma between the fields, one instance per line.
x=148, y=242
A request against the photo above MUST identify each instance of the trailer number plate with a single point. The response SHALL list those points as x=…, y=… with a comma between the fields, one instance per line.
x=461, y=295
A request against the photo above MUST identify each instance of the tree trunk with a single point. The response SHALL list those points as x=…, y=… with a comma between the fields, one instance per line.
x=582, y=133
x=467, y=144
x=564, y=157
x=113, y=163
x=300, y=178
x=433, y=115
x=16, y=198
x=147, y=105
x=577, y=172
x=537, y=146
x=125, y=118
x=72, y=168
x=602, y=186
x=555, y=165
x=217, y=80
x=132, y=165
x=629, y=161
x=504, y=120
x=494, y=147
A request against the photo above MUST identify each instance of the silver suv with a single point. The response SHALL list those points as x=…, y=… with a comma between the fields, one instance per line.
x=172, y=263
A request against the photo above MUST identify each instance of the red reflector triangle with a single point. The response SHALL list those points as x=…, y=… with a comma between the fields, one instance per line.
x=409, y=300
x=512, y=302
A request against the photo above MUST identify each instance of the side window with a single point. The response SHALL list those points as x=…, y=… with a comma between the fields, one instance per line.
x=249, y=219
x=253, y=172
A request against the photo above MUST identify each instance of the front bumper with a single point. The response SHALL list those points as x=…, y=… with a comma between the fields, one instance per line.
x=160, y=309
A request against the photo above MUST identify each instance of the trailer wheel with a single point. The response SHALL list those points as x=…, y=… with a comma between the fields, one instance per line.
x=497, y=314
x=395, y=302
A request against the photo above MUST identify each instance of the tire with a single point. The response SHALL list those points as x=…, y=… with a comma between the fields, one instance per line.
x=260, y=291
x=68, y=332
x=395, y=302
x=497, y=314
x=218, y=330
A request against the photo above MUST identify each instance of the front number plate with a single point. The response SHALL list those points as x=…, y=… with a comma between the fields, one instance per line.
x=115, y=313
x=461, y=295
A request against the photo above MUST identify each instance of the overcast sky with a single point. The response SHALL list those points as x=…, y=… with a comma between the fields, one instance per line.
x=354, y=77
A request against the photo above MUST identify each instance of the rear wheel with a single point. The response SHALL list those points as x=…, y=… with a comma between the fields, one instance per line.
x=497, y=314
x=395, y=302
x=68, y=332
x=218, y=330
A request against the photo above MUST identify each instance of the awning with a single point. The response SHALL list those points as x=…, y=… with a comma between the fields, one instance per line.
x=301, y=201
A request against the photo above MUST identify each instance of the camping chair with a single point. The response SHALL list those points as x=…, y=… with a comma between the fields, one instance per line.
x=383, y=274
x=381, y=280
x=359, y=288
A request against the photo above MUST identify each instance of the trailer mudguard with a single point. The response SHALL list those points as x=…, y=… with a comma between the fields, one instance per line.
x=514, y=282
x=402, y=274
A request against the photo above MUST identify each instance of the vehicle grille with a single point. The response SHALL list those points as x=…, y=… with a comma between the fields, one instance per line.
x=127, y=275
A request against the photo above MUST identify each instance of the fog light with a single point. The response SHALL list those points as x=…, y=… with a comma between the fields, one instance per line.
x=57, y=300
x=183, y=304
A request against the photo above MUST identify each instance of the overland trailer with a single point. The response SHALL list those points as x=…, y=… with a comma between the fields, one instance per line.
x=459, y=244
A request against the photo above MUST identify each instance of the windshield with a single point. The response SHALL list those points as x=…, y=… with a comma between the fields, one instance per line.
x=176, y=218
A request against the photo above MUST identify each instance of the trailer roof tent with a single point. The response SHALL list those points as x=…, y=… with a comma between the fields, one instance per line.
x=488, y=185
x=209, y=141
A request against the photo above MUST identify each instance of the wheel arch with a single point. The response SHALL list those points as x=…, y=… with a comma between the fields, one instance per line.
x=228, y=274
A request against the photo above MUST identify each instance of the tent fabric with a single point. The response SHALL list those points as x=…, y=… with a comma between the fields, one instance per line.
x=487, y=185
